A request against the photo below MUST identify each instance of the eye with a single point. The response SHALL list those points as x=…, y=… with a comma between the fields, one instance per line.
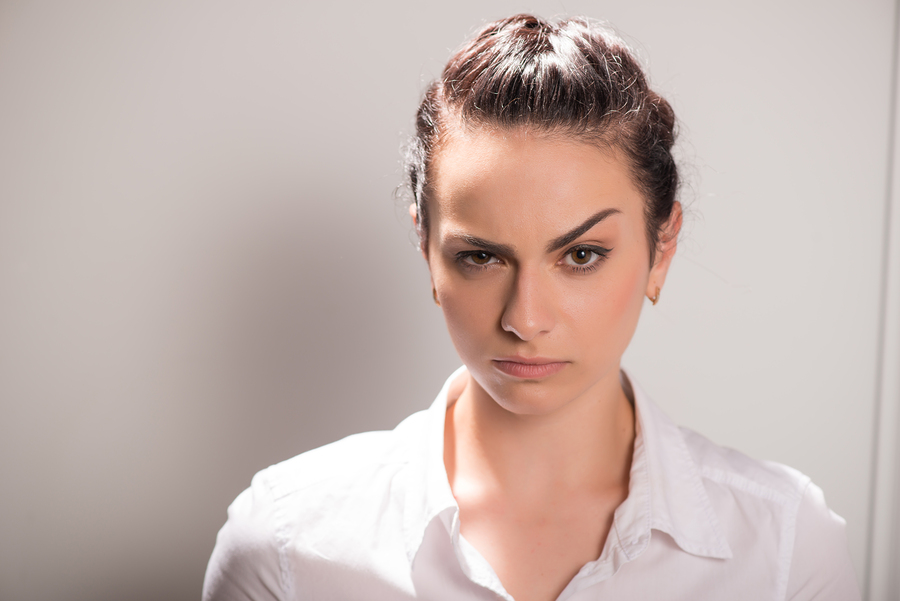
x=480, y=257
x=474, y=259
x=583, y=258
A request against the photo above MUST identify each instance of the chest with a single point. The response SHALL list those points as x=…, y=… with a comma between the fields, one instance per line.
x=536, y=553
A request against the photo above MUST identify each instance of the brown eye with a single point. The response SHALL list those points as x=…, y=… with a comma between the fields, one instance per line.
x=480, y=258
x=584, y=258
x=581, y=256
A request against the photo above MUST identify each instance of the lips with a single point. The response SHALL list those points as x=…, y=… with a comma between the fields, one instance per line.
x=530, y=369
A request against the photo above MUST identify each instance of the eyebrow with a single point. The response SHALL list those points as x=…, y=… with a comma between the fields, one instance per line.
x=491, y=247
x=574, y=233
x=506, y=250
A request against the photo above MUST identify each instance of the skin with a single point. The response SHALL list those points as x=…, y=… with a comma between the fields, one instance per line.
x=539, y=260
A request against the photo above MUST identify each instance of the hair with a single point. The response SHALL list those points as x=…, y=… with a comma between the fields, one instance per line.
x=573, y=78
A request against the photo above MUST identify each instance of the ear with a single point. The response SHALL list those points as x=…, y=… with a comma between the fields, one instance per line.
x=668, y=244
x=414, y=214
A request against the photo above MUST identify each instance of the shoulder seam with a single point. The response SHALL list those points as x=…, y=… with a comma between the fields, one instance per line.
x=282, y=539
x=789, y=532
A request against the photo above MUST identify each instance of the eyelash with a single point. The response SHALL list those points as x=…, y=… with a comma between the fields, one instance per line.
x=462, y=259
x=600, y=252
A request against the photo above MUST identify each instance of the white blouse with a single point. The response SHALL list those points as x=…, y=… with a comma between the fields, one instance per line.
x=372, y=517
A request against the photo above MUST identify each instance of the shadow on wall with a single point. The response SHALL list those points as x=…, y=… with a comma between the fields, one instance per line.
x=310, y=328
x=258, y=326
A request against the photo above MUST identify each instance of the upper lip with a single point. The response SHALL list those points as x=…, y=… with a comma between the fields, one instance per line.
x=528, y=360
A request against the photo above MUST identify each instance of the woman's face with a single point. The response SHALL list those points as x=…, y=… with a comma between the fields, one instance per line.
x=540, y=261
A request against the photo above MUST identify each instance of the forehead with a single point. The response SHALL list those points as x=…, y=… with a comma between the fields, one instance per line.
x=521, y=182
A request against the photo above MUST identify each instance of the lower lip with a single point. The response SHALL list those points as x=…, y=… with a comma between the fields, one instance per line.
x=530, y=371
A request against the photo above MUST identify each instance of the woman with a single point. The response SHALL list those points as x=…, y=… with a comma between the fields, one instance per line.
x=545, y=202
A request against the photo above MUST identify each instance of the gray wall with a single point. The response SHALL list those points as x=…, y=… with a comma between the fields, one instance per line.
x=203, y=269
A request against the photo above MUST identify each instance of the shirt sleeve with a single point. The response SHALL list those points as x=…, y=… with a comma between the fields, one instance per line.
x=821, y=569
x=246, y=562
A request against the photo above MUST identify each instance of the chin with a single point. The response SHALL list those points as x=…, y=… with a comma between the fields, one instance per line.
x=528, y=397
x=544, y=396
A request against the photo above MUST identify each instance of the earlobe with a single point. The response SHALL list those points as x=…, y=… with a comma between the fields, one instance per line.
x=414, y=213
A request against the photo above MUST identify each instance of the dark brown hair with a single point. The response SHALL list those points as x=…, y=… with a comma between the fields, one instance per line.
x=572, y=78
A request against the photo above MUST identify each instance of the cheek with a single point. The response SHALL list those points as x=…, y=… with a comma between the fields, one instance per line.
x=628, y=296
x=609, y=309
x=470, y=309
x=467, y=319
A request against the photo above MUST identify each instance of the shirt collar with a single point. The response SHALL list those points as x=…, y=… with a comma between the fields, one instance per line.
x=666, y=491
x=665, y=474
x=428, y=490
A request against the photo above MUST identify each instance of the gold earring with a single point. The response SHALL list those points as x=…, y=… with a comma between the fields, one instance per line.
x=655, y=297
x=434, y=295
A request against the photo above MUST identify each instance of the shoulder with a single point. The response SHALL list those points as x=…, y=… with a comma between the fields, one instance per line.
x=246, y=561
x=337, y=463
x=287, y=504
x=821, y=566
x=766, y=480
x=776, y=509
x=344, y=462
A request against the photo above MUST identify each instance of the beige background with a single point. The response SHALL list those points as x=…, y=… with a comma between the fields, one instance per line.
x=203, y=269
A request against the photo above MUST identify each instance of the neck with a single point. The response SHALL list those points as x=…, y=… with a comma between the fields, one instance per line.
x=585, y=445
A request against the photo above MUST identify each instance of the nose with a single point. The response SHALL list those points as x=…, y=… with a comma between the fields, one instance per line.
x=529, y=310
